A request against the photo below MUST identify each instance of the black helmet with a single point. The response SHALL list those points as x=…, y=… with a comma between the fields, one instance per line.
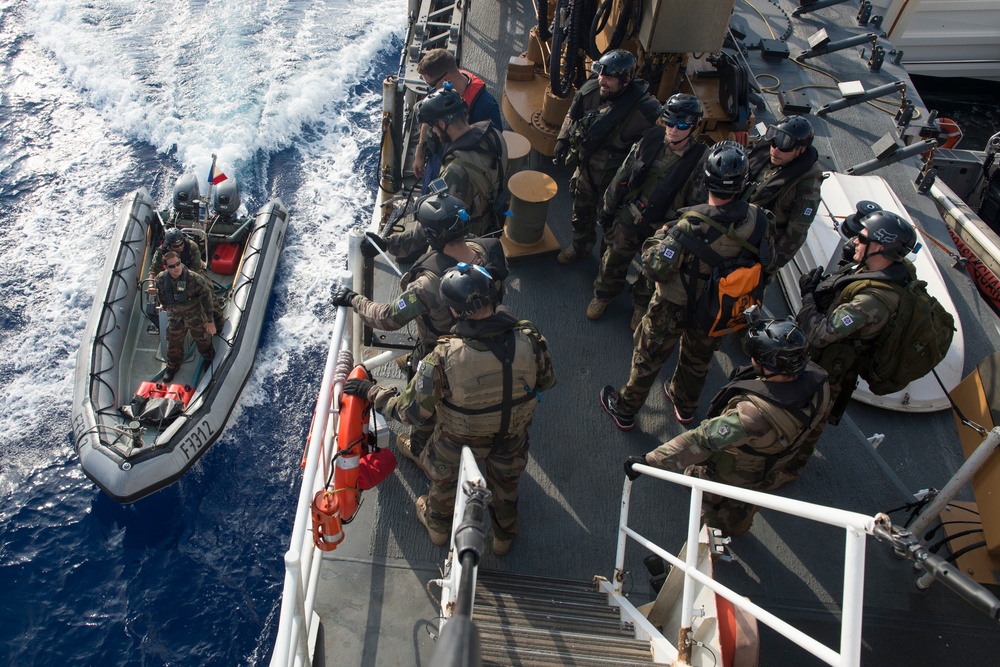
x=443, y=218
x=897, y=236
x=226, y=198
x=681, y=108
x=777, y=345
x=186, y=194
x=619, y=64
x=726, y=168
x=468, y=288
x=173, y=235
x=443, y=104
x=790, y=132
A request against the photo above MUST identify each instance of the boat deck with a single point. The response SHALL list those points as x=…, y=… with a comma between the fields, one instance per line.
x=570, y=494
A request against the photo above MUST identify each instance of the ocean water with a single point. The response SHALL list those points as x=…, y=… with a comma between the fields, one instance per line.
x=96, y=100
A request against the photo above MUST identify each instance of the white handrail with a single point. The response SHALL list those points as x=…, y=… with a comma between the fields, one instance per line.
x=855, y=525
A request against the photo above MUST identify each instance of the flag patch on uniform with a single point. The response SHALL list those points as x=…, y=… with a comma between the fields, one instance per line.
x=723, y=430
x=808, y=211
x=847, y=320
x=401, y=304
x=667, y=252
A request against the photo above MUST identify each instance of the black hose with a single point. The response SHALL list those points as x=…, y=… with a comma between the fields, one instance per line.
x=544, y=33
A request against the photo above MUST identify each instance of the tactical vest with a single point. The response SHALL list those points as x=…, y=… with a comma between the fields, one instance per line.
x=793, y=409
x=173, y=296
x=476, y=379
x=840, y=288
x=763, y=191
x=485, y=162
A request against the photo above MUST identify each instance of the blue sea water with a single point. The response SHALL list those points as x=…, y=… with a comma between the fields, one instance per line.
x=97, y=99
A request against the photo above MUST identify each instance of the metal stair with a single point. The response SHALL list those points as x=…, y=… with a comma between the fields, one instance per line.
x=527, y=621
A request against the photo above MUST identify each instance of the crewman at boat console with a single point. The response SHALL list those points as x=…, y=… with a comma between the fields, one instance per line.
x=187, y=299
x=609, y=114
x=480, y=388
x=682, y=259
x=755, y=426
x=445, y=225
x=654, y=181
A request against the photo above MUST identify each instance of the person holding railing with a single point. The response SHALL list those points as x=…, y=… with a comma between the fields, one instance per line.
x=755, y=426
x=480, y=387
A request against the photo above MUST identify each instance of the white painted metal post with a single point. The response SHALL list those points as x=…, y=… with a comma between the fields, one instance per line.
x=619, y=573
x=854, y=597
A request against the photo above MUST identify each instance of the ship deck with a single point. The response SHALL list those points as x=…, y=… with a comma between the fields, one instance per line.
x=372, y=597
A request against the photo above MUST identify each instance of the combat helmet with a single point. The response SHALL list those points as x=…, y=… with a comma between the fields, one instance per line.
x=726, y=168
x=443, y=104
x=443, y=218
x=682, y=109
x=897, y=236
x=777, y=345
x=226, y=198
x=467, y=288
x=790, y=133
x=619, y=64
x=173, y=237
x=186, y=195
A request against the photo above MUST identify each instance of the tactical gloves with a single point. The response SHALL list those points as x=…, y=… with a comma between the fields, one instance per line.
x=809, y=281
x=359, y=387
x=342, y=295
x=631, y=472
x=559, y=154
x=368, y=250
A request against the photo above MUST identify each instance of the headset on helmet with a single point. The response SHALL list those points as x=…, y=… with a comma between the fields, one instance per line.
x=468, y=288
x=226, y=198
x=173, y=235
x=443, y=218
x=682, y=108
x=790, y=133
x=619, y=64
x=726, y=168
x=443, y=104
x=897, y=236
x=186, y=194
x=777, y=345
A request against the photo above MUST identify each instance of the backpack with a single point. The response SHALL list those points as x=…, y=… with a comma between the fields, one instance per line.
x=735, y=284
x=912, y=344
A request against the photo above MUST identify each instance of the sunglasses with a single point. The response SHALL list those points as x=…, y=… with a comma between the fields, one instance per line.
x=679, y=126
x=173, y=266
x=863, y=240
x=434, y=84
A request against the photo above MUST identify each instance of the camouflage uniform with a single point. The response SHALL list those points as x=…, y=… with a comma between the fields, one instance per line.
x=597, y=158
x=474, y=166
x=455, y=386
x=747, y=439
x=668, y=318
x=190, y=255
x=188, y=311
x=790, y=192
x=626, y=201
x=421, y=302
x=841, y=332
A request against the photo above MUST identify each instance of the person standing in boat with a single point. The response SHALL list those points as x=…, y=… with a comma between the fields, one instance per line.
x=841, y=321
x=445, y=224
x=730, y=228
x=438, y=68
x=175, y=241
x=187, y=298
x=785, y=178
x=609, y=113
x=654, y=181
x=755, y=425
x=479, y=387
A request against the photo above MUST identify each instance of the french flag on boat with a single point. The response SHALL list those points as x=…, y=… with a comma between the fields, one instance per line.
x=215, y=175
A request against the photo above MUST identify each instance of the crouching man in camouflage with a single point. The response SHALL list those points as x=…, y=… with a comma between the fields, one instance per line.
x=187, y=298
x=755, y=426
x=480, y=388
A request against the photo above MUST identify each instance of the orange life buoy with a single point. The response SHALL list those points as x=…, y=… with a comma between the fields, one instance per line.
x=950, y=132
x=352, y=435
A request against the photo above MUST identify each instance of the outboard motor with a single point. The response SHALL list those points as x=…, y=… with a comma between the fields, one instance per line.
x=186, y=197
x=226, y=198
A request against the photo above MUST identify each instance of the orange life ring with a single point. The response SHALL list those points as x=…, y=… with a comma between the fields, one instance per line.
x=352, y=436
x=950, y=131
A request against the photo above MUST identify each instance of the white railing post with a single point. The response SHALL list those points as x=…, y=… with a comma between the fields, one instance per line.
x=622, y=537
x=854, y=597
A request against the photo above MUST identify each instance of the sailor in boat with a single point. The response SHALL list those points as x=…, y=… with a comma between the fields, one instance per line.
x=480, y=388
x=445, y=224
x=654, y=181
x=755, y=425
x=608, y=115
x=785, y=178
x=175, y=241
x=842, y=315
x=187, y=298
x=732, y=230
x=437, y=68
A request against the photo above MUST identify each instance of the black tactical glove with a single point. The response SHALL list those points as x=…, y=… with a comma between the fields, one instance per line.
x=368, y=250
x=559, y=153
x=847, y=251
x=606, y=220
x=809, y=281
x=358, y=387
x=631, y=472
x=342, y=295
